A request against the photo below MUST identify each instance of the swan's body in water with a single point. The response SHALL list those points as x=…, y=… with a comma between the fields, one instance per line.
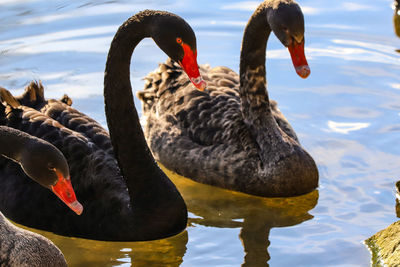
x=45, y=164
x=125, y=194
x=233, y=136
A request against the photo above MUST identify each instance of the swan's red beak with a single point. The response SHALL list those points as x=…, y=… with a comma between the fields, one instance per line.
x=189, y=65
x=299, y=59
x=63, y=189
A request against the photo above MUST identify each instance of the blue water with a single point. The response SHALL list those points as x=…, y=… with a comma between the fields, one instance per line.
x=346, y=115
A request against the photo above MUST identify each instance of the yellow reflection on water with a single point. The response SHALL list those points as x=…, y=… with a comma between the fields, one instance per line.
x=255, y=216
x=213, y=207
x=83, y=252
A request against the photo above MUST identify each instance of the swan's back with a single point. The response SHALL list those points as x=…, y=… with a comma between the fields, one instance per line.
x=22, y=248
x=207, y=118
x=62, y=112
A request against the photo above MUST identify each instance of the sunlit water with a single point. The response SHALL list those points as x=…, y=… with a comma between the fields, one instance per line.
x=346, y=115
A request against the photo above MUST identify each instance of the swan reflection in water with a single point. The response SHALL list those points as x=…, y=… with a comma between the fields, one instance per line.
x=212, y=207
x=215, y=207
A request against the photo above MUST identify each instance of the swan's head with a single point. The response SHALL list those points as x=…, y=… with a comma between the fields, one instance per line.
x=46, y=165
x=287, y=22
x=177, y=39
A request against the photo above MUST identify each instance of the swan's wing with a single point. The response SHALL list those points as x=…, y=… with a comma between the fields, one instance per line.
x=207, y=118
x=33, y=96
x=78, y=122
x=178, y=152
x=62, y=112
x=282, y=121
x=35, y=123
x=6, y=99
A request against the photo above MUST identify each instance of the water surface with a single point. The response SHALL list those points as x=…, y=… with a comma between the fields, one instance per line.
x=346, y=115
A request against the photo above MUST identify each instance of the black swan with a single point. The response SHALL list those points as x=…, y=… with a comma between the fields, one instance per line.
x=233, y=136
x=46, y=165
x=126, y=195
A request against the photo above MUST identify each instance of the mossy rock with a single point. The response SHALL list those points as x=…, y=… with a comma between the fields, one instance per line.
x=396, y=17
x=396, y=22
x=385, y=246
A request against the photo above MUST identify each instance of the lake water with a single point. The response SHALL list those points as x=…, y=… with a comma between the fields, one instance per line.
x=346, y=115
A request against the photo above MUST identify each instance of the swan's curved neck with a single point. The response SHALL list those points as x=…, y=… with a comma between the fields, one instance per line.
x=255, y=105
x=122, y=118
x=12, y=143
x=253, y=92
x=146, y=183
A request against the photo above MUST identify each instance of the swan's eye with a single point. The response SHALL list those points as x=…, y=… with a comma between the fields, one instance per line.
x=179, y=40
x=285, y=30
x=51, y=167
